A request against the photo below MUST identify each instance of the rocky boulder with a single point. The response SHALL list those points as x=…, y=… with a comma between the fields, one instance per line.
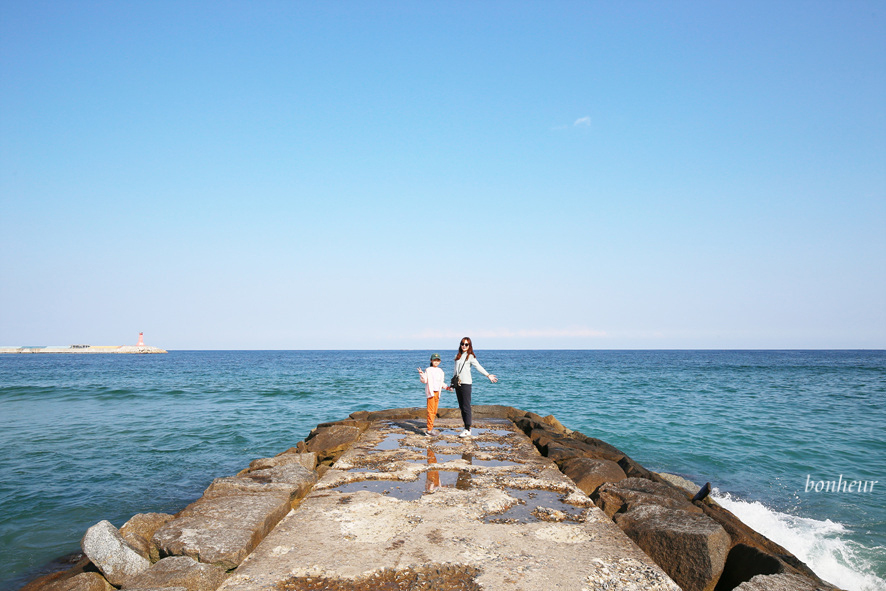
x=360, y=424
x=495, y=411
x=290, y=456
x=549, y=421
x=79, y=564
x=589, y=474
x=745, y=562
x=138, y=531
x=292, y=478
x=598, y=448
x=690, y=547
x=629, y=493
x=783, y=582
x=81, y=582
x=743, y=534
x=116, y=559
x=330, y=442
x=223, y=526
x=180, y=571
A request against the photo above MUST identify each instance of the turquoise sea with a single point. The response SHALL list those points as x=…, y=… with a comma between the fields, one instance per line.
x=92, y=437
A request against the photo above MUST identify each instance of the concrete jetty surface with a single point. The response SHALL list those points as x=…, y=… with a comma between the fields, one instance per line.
x=370, y=503
x=402, y=510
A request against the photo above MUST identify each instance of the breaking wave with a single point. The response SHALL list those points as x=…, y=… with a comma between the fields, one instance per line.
x=820, y=544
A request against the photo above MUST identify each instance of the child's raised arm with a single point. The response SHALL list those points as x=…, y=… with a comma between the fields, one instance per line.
x=422, y=376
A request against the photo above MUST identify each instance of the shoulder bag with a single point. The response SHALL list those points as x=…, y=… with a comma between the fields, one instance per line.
x=455, y=381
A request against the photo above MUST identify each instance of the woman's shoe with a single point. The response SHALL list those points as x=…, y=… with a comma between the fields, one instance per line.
x=465, y=433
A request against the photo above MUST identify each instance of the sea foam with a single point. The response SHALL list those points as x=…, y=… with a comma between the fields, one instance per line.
x=819, y=544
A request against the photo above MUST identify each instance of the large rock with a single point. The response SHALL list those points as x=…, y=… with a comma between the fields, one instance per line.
x=360, y=424
x=330, y=442
x=561, y=447
x=741, y=533
x=80, y=563
x=549, y=421
x=117, y=560
x=84, y=581
x=222, y=527
x=629, y=493
x=496, y=411
x=690, y=547
x=589, y=474
x=783, y=582
x=290, y=456
x=745, y=562
x=293, y=479
x=180, y=571
x=139, y=530
x=598, y=448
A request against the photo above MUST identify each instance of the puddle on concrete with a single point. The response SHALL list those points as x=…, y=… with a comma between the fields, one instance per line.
x=438, y=458
x=447, y=443
x=366, y=469
x=391, y=441
x=437, y=478
x=491, y=463
x=410, y=490
x=434, y=577
x=536, y=505
x=406, y=491
x=459, y=480
x=492, y=445
x=479, y=432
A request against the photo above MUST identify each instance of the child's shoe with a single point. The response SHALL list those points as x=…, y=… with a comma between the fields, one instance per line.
x=465, y=433
x=432, y=433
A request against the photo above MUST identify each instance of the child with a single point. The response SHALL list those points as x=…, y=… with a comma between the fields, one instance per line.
x=434, y=378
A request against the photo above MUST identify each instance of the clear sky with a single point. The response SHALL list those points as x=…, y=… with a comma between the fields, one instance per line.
x=386, y=175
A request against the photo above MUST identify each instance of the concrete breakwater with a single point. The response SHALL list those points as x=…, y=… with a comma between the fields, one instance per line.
x=370, y=502
x=84, y=349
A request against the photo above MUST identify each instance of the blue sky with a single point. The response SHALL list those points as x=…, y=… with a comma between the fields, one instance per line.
x=288, y=175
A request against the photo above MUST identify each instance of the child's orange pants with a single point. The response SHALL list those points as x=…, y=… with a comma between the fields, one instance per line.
x=433, y=403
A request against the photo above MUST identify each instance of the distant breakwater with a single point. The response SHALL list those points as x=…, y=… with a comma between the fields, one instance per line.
x=697, y=543
x=85, y=349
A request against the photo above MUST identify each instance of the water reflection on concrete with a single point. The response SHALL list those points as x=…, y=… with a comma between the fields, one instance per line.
x=481, y=431
x=406, y=491
x=537, y=505
x=391, y=441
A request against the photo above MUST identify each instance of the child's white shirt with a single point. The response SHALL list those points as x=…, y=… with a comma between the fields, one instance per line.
x=434, y=378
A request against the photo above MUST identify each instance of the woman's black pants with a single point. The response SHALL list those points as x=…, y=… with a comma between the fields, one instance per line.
x=463, y=393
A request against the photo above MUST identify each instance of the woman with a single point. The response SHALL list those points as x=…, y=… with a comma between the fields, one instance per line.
x=463, y=362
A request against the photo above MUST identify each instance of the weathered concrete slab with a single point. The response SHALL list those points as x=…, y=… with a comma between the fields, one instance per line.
x=222, y=528
x=399, y=510
x=181, y=572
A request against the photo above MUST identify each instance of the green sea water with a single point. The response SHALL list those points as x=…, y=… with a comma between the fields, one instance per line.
x=92, y=437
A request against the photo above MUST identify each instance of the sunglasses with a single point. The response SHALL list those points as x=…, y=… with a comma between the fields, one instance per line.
x=465, y=344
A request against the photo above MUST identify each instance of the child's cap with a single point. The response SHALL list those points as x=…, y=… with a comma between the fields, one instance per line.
x=435, y=356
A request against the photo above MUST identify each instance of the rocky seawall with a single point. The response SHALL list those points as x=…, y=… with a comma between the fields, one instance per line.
x=84, y=349
x=370, y=502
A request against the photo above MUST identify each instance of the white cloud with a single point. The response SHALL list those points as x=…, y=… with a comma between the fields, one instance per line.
x=582, y=122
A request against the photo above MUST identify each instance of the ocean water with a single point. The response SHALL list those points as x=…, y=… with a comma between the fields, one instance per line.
x=92, y=437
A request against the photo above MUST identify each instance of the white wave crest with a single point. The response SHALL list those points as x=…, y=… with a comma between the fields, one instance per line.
x=819, y=544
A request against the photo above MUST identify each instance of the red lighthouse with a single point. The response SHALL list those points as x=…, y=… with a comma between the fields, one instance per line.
x=141, y=339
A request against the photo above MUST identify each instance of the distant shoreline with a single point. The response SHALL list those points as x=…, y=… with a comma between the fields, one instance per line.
x=85, y=349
